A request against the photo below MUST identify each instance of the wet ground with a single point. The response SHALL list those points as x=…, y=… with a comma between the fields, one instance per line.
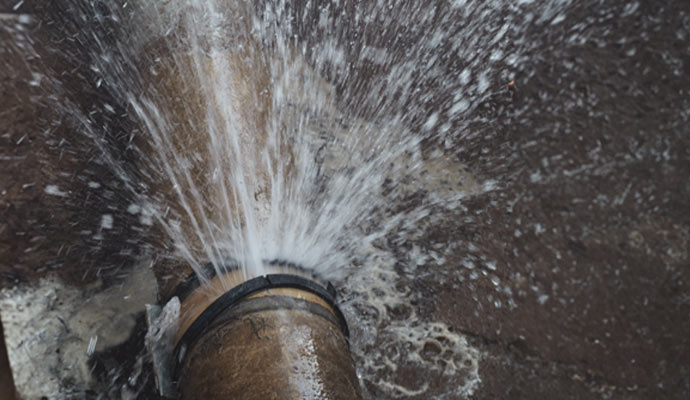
x=572, y=277
x=591, y=228
x=591, y=225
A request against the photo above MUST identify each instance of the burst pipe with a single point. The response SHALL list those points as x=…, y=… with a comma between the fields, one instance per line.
x=276, y=336
x=279, y=335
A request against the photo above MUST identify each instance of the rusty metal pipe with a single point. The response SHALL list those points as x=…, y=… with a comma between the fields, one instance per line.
x=279, y=336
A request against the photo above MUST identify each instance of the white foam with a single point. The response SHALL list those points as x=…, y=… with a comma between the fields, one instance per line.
x=54, y=190
x=52, y=329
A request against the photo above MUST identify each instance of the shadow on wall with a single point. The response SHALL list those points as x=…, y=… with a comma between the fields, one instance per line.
x=6, y=384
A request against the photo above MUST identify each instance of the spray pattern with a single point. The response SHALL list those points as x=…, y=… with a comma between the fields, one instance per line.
x=352, y=103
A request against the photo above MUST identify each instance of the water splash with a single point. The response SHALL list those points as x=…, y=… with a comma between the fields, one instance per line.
x=317, y=133
x=267, y=132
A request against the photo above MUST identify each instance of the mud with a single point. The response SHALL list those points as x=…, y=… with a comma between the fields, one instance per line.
x=588, y=234
x=55, y=190
x=572, y=277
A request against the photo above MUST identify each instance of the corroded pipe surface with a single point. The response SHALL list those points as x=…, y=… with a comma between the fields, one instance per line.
x=270, y=347
x=213, y=128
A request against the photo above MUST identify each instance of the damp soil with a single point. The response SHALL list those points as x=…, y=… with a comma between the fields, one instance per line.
x=589, y=228
x=55, y=189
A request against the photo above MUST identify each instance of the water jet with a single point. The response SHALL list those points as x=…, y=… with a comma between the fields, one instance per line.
x=248, y=328
x=216, y=114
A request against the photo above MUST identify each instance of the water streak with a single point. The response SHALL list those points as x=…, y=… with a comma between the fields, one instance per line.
x=315, y=133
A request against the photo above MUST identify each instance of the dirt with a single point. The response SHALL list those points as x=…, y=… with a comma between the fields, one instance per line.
x=55, y=190
x=589, y=228
x=592, y=212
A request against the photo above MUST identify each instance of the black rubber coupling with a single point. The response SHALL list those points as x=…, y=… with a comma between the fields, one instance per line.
x=238, y=293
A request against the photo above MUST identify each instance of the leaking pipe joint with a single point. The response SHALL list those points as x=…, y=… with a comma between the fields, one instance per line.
x=277, y=336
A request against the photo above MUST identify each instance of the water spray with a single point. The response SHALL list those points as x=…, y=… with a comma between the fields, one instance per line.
x=249, y=329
